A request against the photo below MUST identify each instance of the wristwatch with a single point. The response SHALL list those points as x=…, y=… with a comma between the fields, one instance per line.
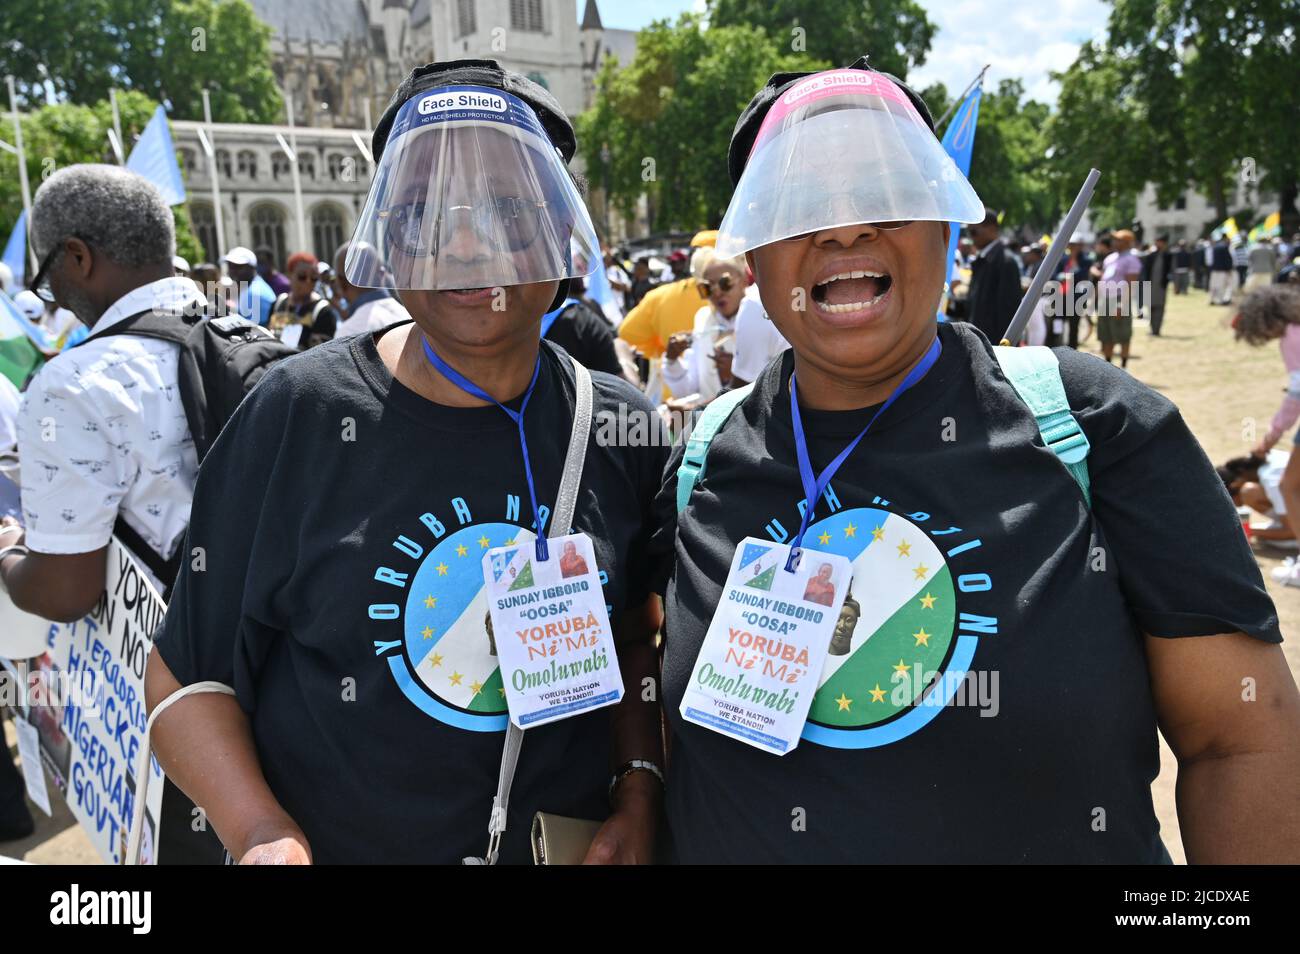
x=634, y=765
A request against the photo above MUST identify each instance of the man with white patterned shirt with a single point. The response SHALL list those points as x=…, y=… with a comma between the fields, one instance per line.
x=102, y=433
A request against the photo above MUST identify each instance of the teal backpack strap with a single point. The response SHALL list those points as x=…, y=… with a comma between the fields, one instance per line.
x=697, y=445
x=1036, y=375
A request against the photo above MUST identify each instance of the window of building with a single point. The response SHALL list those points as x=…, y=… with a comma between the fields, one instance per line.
x=187, y=161
x=204, y=224
x=266, y=220
x=334, y=164
x=223, y=163
x=246, y=162
x=1180, y=203
x=466, y=21
x=539, y=79
x=526, y=16
x=326, y=231
x=306, y=164
x=279, y=165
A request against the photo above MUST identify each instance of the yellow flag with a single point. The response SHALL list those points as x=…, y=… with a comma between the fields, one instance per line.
x=1230, y=227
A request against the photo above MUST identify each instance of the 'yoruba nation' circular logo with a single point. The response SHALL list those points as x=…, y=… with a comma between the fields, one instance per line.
x=895, y=632
x=449, y=666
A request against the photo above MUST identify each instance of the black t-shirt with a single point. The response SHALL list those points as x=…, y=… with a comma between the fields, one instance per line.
x=342, y=598
x=587, y=336
x=973, y=552
x=318, y=317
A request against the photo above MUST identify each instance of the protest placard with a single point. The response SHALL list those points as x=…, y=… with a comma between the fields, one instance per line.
x=84, y=695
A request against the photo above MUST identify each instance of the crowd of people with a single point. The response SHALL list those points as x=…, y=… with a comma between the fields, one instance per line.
x=1104, y=284
x=983, y=681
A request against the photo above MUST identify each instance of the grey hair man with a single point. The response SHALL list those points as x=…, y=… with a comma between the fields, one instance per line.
x=102, y=437
x=367, y=309
x=99, y=231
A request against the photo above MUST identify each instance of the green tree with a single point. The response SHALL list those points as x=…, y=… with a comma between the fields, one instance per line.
x=896, y=34
x=666, y=118
x=1184, y=92
x=170, y=50
x=71, y=133
x=1007, y=160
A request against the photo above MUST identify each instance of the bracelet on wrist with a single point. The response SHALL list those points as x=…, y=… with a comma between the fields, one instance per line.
x=630, y=767
x=14, y=548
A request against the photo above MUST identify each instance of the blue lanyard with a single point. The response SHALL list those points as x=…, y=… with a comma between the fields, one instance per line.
x=465, y=384
x=814, y=486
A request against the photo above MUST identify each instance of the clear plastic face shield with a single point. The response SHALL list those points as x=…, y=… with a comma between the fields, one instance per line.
x=838, y=148
x=470, y=193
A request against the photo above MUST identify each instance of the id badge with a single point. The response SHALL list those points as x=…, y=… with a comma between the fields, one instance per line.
x=762, y=657
x=552, y=633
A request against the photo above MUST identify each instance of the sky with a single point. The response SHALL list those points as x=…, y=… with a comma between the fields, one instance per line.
x=1018, y=39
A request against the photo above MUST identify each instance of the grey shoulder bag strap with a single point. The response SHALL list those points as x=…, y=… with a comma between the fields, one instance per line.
x=561, y=522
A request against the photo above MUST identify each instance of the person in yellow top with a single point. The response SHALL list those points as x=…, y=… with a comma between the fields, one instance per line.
x=662, y=313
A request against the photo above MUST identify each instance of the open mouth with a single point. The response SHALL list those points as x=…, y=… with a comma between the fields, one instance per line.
x=851, y=291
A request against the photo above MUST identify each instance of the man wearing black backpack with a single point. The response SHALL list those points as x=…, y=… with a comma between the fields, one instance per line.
x=111, y=432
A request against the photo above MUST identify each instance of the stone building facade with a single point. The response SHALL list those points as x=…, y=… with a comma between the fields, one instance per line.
x=338, y=62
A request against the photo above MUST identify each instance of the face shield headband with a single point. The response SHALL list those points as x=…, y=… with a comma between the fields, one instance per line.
x=839, y=148
x=469, y=194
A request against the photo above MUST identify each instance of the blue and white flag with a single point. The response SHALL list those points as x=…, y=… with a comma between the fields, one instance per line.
x=15, y=255
x=958, y=143
x=154, y=157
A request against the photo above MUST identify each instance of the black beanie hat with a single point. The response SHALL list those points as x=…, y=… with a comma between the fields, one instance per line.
x=747, y=126
x=479, y=73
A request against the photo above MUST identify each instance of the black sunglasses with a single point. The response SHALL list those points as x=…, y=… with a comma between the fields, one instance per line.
x=725, y=284
x=40, y=284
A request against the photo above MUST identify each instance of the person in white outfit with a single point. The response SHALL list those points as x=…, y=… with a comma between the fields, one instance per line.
x=697, y=364
x=758, y=340
x=368, y=309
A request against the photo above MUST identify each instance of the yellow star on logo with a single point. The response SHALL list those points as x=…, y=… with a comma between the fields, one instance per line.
x=510, y=542
x=502, y=690
x=901, y=667
x=844, y=702
x=436, y=660
x=455, y=678
x=904, y=549
x=460, y=550
x=927, y=601
x=430, y=602
x=476, y=687
x=878, y=533
x=483, y=541
x=426, y=632
x=442, y=569
x=825, y=538
x=922, y=638
x=921, y=571
x=850, y=531
x=877, y=694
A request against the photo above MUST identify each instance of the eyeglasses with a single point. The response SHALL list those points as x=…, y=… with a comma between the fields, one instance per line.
x=41, y=282
x=725, y=284
x=512, y=219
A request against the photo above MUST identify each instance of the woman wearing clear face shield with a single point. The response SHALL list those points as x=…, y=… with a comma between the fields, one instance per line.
x=375, y=521
x=1032, y=564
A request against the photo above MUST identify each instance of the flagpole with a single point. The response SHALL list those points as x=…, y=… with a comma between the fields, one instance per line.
x=960, y=99
x=119, y=147
x=22, y=171
x=297, y=179
x=1047, y=267
x=210, y=149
